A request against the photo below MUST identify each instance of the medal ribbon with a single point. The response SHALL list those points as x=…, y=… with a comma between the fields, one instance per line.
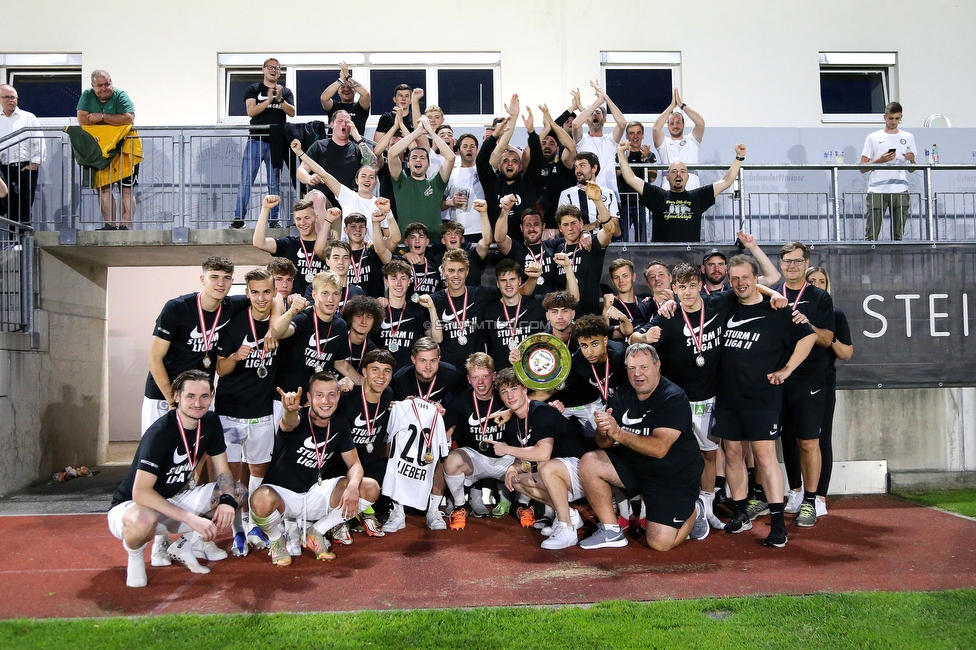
x=356, y=267
x=427, y=432
x=430, y=389
x=799, y=295
x=461, y=320
x=208, y=335
x=370, y=422
x=318, y=340
x=254, y=333
x=698, y=341
x=319, y=457
x=625, y=308
x=483, y=424
x=513, y=322
x=394, y=332
x=186, y=443
x=414, y=276
x=604, y=386
x=308, y=258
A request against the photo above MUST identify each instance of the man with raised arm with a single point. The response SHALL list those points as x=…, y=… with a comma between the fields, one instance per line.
x=342, y=155
x=586, y=165
x=558, y=153
x=676, y=214
x=347, y=89
x=300, y=250
x=416, y=195
x=674, y=145
x=587, y=264
x=596, y=141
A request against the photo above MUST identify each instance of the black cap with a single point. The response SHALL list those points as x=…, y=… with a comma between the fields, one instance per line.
x=713, y=253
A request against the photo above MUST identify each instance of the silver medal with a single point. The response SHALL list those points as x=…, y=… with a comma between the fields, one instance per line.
x=483, y=445
x=513, y=345
x=700, y=360
x=540, y=280
x=393, y=346
x=309, y=276
x=415, y=297
x=207, y=362
x=319, y=367
x=462, y=340
x=369, y=447
x=262, y=372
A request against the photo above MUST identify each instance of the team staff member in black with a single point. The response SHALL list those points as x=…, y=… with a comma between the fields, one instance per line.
x=311, y=444
x=647, y=448
x=427, y=376
x=300, y=250
x=804, y=393
x=676, y=215
x=321, y=337
x=761, y=347
x=158, y=491
x=186, y=332
x=587, y=264
x=404, y=321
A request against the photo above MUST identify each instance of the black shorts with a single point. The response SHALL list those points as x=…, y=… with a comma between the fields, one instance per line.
x=804, y=398
x=128, y=181
x=746, y=424
x=669, y=500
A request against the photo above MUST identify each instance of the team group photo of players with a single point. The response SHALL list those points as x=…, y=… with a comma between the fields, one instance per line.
x=370, y=378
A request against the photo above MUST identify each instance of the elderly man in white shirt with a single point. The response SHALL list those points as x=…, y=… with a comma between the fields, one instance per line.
x=20, y=157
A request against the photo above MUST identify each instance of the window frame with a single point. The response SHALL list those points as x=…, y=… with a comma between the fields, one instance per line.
x=883, y=63
x=639, y=60
x=53, y=63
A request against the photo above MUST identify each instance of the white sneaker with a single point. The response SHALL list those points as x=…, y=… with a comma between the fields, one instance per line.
x=821, y=507
x=160, y=556
x=435, y=519
x=397, y=520
x=574, y=519
x=563, y=536
x=208, y=551
x=182, y=551
x=293, y=538
x=794, y=501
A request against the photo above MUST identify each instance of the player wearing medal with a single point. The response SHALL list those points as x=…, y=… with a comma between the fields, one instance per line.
x=337, y=255
x=658, y=279
x=310, y=446
x=425, y=274
x=363, y=315
x=511, y=319
x=365, y=409
x=646, y=447
x=404, y=321
x=715, y=270
x=158, y=495
x=362, y=268
x=246, y=364
x=805, y=390
x=588, y=264
x=471, y=428
x=761, y=347
x=452, y=238
x=555, y=480
x=427, y=376
x=531, y=250
x=283, y=271
x=322, y=339
x=535, y=432
x=623, y=311
x=300, y=250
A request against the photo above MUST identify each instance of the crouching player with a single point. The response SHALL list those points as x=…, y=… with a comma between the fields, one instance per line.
x=158, y=495
x=293, y=488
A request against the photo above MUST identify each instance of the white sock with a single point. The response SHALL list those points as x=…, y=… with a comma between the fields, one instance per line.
x=455, y=483
x=330, y=521
x=364, y=504
x=135, y=571
x=434, y=505
x=623, y=504
x=269, y=525
x=523, y=499
x=708, y=498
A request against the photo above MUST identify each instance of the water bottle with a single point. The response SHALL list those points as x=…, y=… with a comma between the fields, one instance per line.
x=839, y=157
x=935, y=154
x=827, y=158
x=928, y=157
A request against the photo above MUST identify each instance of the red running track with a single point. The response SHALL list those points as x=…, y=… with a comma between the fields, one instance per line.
x=70, y=566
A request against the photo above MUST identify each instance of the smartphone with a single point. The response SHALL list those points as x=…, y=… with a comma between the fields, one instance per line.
x=892, y=150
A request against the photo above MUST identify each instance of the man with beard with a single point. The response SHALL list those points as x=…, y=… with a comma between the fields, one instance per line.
x=347, y=88
x=311, y=444
x=300, y=250
x=339, y=155
x=586, y=166
x=676, y=214
x=528, y=249
x=714, y=267
x=464, y=188
x=558, y=153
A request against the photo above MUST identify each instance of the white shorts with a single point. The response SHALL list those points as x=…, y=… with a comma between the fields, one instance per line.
x=702, y=421
x=250, y=440
x=310, y=506
x=276, y=413
x=200, y=500
x=486, y=466
x=152, y=410
x=584, y=414
x=575, y=487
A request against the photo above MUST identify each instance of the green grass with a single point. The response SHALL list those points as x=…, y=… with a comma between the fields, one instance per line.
x=864, y=620
x=962, y=501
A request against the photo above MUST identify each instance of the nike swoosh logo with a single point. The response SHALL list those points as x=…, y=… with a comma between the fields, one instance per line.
x=814, y=392
x=735, y=323
x=678, y=521
x=445, y=317
x=310, y=444
x=359, y=422
x=697, y=330
x=178, y=458
x=195, y=334
x=386, y=325
x=474, y=421
x=630, y=421
x=311, y=340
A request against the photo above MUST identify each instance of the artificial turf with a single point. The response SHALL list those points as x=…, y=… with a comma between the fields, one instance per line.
x=961, y=501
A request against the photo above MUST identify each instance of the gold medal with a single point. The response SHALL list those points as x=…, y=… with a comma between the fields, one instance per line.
x=429, y=458
x=526, y=467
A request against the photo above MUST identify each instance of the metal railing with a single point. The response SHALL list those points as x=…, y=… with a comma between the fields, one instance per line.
x=17, y=279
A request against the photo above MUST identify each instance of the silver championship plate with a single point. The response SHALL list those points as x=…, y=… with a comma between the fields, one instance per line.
x=544, y=362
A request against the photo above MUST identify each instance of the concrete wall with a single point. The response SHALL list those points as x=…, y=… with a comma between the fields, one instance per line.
x=52, y=406
x=748, y=63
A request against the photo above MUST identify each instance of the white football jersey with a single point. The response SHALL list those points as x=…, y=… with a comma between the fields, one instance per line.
x=416, y=431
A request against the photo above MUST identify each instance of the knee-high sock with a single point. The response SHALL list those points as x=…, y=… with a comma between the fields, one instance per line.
x=455, y=483
x=269, y=525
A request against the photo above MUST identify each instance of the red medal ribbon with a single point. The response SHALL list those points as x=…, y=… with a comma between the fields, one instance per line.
x=699, y=340
x=208, y=335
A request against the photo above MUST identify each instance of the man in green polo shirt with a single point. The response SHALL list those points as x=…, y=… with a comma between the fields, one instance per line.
x=103, y=103
x=418, y=198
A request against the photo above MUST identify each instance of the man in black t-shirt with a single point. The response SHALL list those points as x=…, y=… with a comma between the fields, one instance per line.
x=422, y=258
x=676, y=214
x=186, y=333
x=158, y=496
x=401, y=99
x=761, y=348
x=300, y=250
x=531, y=250
x=427, y=376
x=404, y=321
x=339, y=155
x=647, y=448
x=347, y=88
x=460, y=311
x=587, y=264
x=558, y=152
x=267, y=102
x=512, y=318
x=311, y=443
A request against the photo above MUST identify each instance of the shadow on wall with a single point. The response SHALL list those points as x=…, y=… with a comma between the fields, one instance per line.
x=69, y=432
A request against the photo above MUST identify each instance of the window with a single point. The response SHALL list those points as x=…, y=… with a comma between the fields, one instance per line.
x=855, y=86
x=461, y=83
x=48, y=85
x=640, y=83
